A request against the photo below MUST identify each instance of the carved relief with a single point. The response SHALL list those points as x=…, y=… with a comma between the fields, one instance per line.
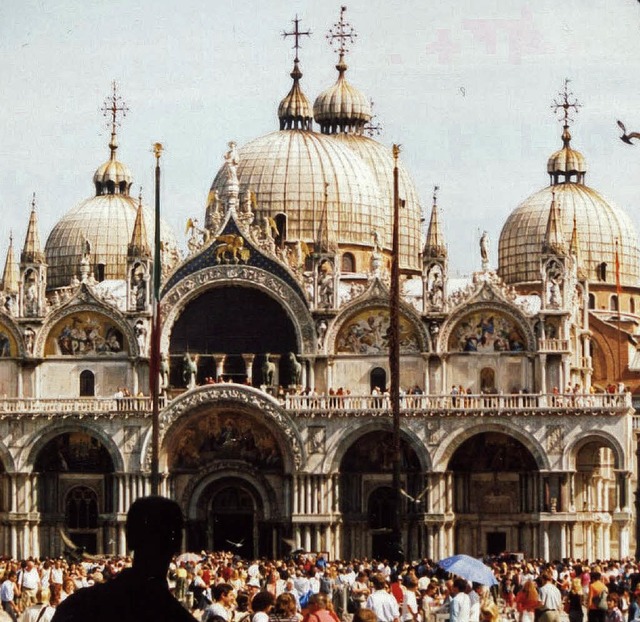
x=316, y=435
x=555, y=438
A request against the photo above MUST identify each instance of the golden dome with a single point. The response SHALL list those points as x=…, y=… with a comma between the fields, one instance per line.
x=313, y=179
x=380, y=161
x=599, y=224
x=342, y=106
x=106, y=223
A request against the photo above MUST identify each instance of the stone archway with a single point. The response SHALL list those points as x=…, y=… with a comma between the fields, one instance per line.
x=496, y=490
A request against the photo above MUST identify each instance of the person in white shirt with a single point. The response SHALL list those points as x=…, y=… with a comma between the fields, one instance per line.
x=460, y=607
x=382, y=602
x=29, y=582
x=410, y=610
x=223, y=600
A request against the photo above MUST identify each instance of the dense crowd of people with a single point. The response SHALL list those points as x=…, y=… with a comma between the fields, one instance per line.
x=220, y=587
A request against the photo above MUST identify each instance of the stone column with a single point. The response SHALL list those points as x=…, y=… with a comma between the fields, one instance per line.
x=219, y=360
x=248, y=366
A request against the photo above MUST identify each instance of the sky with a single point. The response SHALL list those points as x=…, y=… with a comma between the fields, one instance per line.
x=465, y=86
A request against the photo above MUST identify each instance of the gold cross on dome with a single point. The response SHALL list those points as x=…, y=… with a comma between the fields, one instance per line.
x=296, y=34
x=567, y=101
x=114, y=105
x=341, y=34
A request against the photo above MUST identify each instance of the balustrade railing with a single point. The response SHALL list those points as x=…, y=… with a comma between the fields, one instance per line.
x=89, y=405
x=456, y=404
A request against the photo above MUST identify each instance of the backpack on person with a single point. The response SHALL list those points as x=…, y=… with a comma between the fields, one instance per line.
x=600, y=600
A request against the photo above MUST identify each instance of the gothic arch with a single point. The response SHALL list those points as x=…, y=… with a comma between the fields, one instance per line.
x=452, y=441
x=192, y=286
x=245, y=399
x=338, y=445
x=6, y=459
x=39, y=440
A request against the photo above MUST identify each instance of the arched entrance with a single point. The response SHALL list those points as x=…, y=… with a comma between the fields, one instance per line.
x=230, y=321
x=367, y=500
x=75, y=486
x=229, y=463
x=496, y=492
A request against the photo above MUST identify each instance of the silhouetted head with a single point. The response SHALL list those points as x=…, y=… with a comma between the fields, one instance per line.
x=154, y=525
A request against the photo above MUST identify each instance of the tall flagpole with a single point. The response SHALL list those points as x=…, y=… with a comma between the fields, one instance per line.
x=395, y=544
x=154, y=364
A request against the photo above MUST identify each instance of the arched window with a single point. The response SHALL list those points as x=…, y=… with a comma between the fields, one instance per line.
x=613, y=303
x=602, y=271
x=81, y=508
x=632, y=305
x=487, y=380
x=348, y=263
x=378, y=378
x=87, y=383
x=281, y=223
x=592, y=301
x=100, y=272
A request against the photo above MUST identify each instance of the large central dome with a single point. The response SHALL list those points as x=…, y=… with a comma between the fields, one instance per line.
x=338, y=181
x=312, y=179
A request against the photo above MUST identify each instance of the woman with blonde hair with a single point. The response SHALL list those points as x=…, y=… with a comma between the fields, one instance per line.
x=527, y=601
x=489, y=612
x=574, y=601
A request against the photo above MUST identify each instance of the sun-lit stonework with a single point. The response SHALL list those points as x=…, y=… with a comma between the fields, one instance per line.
x=275, y=423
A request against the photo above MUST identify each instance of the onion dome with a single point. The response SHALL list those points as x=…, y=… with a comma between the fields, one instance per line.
x=567, y=163
x=294, y=111
x=342, y=107
x=112, y=177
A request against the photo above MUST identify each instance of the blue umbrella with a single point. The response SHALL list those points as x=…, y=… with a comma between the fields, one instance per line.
x=469, y=568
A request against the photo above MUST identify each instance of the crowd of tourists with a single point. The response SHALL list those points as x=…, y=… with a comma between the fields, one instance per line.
x=220, y=587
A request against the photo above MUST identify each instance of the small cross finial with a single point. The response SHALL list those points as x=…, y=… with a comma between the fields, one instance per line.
x=341, y=34
x=435, y=194
x=296, y=34
x=567, y=101
x=371, y=128
x=140, y=195
x=114, y=105
x=33, y=201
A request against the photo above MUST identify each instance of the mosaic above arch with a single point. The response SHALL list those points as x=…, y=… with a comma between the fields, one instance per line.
x=85, y=334
x=367, y=332
x=487, y=331
x=214, y=436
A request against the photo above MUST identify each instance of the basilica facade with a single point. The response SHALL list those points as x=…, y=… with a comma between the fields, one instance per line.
x=517, y=424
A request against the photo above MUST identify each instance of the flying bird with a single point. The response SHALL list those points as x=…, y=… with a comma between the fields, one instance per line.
x=626, y=138
x=238, y=545
x=417, y=499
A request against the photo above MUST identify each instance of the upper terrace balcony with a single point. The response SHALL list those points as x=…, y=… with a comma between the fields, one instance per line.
x=342, y=405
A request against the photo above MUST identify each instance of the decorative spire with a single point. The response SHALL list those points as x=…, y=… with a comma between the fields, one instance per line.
x=338, y=37
x=574, y=246
x=563, y=106
x=294, y=111
x=554, y=241
x=11, y=275
x=111, y=107
x=139, y=245
x=434, y=245
x=32, y=250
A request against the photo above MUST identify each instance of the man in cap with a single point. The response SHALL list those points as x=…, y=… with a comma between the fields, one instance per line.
x=141, y=593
